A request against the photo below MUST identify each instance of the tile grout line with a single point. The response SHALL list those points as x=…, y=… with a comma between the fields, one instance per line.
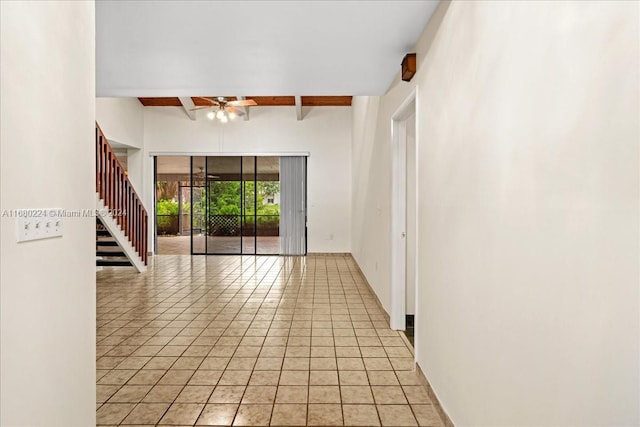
x=240, y=294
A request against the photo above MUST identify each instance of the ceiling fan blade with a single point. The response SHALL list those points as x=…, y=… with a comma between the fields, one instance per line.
x=200, y=107
x=212, y=101
x=234, y=110
x=243, y=103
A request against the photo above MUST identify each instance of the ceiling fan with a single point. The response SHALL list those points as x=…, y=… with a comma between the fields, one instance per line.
x=200, y=174
x=224, y=110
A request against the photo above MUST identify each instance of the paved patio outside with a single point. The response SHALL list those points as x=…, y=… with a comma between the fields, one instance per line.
x=181, y=245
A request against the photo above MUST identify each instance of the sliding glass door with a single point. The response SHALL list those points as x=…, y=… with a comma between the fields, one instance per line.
x=235, y=206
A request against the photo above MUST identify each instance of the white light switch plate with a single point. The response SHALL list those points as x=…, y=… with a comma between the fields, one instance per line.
x=36, y=224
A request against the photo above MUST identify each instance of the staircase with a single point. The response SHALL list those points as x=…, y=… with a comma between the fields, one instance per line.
x=121, y=223
x=108, y=251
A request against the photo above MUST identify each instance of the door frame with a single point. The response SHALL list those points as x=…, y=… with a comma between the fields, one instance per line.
x=191, y=155
x=398, y=311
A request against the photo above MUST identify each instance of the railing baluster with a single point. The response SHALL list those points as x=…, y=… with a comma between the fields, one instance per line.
x=138, y=223
x=139, y=229
x=116, y=187
x=120, y=198
x=136, y=230
x=109, y=201
x=107, y=178
x=97, y=147
x=144, y=238
x=114, y=178
x=131, y=212
x=102, y=170
x=129, y=209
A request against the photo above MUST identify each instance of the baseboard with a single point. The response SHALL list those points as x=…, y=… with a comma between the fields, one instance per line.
x=421, y=376
x=366, y=282
x=408, y=344
x=342, y=254
x=432, y=395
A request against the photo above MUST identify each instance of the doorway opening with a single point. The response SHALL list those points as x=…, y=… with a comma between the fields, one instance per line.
x=411, y=267
x=230, y=205
x=404, y=228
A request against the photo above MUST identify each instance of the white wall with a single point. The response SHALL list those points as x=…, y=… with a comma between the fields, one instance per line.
x=47, y=296
x=122, y=121
x=325, y=132
x=528, y=174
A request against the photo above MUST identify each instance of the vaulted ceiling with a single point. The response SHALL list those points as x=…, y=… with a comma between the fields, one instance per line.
x=167, y=48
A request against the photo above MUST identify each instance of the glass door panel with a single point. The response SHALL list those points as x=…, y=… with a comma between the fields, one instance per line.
x=248, y=205
x=224, y=205
x=198, y=206
x=268, y=205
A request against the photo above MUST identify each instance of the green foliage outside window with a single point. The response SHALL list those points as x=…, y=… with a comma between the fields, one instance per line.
x=167, y=207
x=224, y=199
x=167, y=216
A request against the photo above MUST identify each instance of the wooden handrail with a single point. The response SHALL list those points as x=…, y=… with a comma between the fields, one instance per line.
x=119, y=196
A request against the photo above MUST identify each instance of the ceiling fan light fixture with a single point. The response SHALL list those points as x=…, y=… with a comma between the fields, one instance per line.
x=224, y=110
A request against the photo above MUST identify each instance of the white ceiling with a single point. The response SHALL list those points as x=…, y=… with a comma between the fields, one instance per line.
x=182, y=48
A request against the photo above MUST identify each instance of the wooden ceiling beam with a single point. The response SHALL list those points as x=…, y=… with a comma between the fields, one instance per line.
x=326, y=101
x=273, y=101
x=160, y=102
x=262, y=101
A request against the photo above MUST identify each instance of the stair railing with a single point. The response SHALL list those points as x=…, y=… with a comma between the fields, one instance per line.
x=119, y=196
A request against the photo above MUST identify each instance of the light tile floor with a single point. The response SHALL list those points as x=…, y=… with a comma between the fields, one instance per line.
x=250, y=341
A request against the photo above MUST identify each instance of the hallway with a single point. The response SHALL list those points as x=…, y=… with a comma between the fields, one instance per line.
x=231, y=340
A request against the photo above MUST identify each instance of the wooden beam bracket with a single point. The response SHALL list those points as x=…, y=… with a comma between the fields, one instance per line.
x=187, y=106
x=298, y=107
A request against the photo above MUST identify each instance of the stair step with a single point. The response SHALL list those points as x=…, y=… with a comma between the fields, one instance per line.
x=112, y=263
x=106, y=243
x=110, y=253
x=103, y=233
